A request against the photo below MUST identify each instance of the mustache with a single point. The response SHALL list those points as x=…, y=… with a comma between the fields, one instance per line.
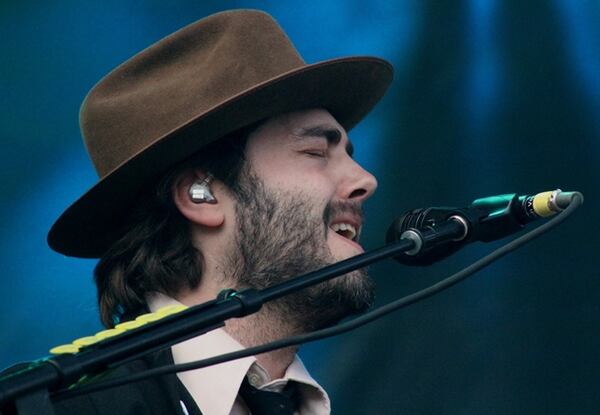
x=339, y=207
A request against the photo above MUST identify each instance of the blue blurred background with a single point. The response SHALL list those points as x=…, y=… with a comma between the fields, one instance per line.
x=489, y=97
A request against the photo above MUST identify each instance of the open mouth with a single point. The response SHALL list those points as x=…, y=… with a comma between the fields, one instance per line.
x=347, y=230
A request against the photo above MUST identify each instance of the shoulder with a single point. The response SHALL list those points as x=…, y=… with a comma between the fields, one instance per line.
x=157, y=395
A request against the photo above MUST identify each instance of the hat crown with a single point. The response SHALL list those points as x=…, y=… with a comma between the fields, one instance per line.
x=173, y=81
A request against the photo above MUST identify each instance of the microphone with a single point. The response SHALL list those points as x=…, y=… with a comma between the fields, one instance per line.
x=486, y=219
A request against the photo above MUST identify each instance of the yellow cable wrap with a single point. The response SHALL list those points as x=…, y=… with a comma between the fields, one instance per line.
x=541, y=204
x=142, y=320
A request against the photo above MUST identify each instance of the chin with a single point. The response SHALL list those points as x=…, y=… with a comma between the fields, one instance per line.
x=342, y=297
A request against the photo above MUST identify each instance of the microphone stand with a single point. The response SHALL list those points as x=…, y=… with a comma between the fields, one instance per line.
x=28, y=388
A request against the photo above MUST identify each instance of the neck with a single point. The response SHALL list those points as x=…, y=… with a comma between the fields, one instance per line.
x=263, y=327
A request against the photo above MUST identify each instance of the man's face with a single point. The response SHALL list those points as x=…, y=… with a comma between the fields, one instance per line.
x=308, y=153
x=299, y=208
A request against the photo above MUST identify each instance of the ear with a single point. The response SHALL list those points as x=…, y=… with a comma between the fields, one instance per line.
x=204, y=214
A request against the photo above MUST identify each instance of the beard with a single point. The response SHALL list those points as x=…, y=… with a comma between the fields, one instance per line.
x=279, y=236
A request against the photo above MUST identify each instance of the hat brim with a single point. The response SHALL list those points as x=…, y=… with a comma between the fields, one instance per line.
x=347, y=87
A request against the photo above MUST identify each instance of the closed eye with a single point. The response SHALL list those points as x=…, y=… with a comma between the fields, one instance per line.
x=316, y=153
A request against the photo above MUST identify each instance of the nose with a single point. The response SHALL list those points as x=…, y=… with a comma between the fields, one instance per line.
x=358, y=184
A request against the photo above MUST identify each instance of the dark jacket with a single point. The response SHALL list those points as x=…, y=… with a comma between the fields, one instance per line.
x=160, y=395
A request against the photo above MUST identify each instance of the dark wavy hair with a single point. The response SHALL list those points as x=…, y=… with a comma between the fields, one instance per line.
x=156, y=253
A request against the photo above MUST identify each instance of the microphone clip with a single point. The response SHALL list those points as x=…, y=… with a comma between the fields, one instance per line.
x=438, y=232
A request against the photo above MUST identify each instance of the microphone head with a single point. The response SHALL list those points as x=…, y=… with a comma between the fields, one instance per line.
x=422, y=219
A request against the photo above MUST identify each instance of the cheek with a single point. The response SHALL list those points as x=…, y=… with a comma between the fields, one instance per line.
x=311, y=185
x=288, y=170
x=266, y=162
x=295, y=174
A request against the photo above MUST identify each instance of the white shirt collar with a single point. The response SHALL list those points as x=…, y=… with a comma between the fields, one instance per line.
x=215, y=388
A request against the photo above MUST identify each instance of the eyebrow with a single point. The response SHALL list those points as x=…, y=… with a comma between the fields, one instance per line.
x=332, y=134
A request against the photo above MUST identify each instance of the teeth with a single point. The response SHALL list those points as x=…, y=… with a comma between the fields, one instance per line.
x=344, y=229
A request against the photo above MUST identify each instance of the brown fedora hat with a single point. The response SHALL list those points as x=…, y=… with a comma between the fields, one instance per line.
x=191, y=88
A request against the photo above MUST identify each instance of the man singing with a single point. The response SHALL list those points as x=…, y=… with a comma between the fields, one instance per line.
x=225, y=163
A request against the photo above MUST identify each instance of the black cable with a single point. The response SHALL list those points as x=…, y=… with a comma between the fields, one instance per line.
x=576, y=201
